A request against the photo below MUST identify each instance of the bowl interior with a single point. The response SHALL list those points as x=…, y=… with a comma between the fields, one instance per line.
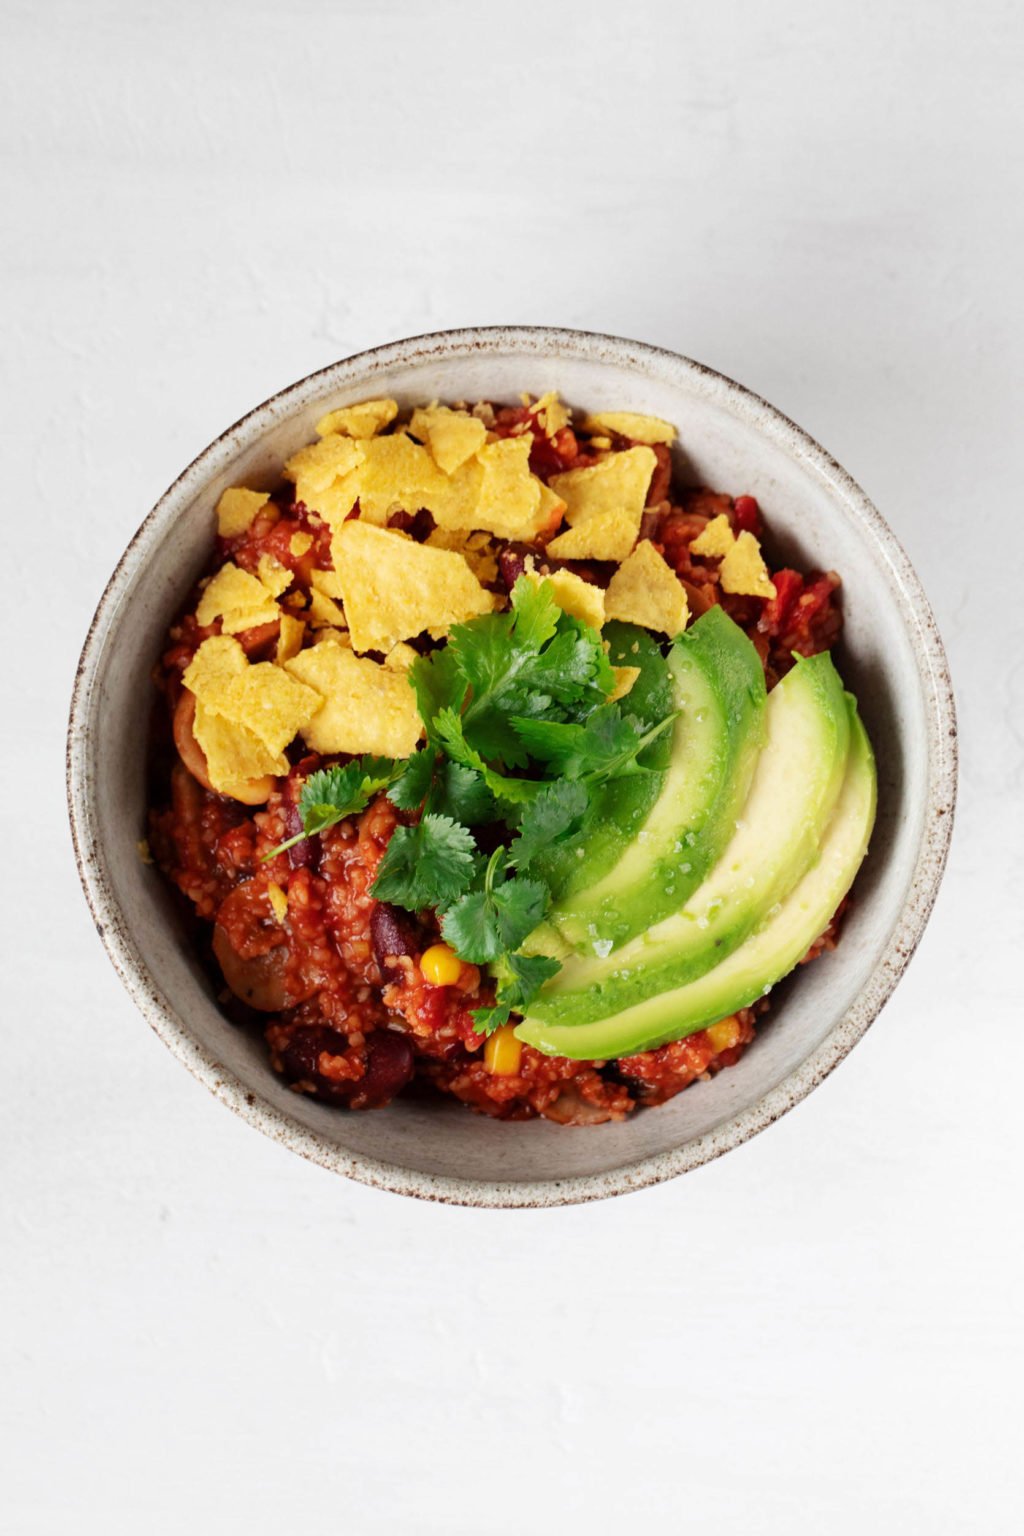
x=729, y=441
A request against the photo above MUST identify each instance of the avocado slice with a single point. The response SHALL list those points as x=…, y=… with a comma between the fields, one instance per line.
x=752, y=969
x=795, y=786
x=619, y=807
x=717, y=685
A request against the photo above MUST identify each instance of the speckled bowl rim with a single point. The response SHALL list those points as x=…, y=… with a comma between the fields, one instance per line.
x=933, y=670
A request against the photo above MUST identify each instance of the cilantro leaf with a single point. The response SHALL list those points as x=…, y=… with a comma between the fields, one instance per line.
x=448, y=788
x=451, y=735
x=547, y=818
x=439, y=684
x=331, y=794
x=460, y=791
x=428, y=865
x=409, y=790
x=526, y=975
x=530, y=661
x=486, y=924
x=607, y=745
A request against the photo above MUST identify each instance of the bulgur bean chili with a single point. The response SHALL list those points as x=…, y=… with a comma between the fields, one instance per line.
x=336, y=979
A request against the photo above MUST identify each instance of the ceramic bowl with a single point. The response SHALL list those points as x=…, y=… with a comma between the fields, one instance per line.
x=891, y=656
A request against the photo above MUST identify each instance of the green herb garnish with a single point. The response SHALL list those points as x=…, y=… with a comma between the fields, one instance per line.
x=331, y=794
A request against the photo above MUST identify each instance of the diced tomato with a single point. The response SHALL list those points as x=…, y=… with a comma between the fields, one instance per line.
x=746, y=516
x=777, y=609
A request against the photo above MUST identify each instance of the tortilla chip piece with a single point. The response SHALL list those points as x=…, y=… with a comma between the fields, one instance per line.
x=717, y=538
x=551, y=414
x=300, y=543
x=277, y=578
x=616, y=484
x=234, y=756
x=216, y=660
x=363, y=420
x=395, y=473
x=278, y=900
x=477, y=549
x=317, y=466
x=510, y=495
x=237, y=509
x=271, y=706
x=645, y=590
x=744, y=571
x=551, y=510
x=625, y=677
x=238, y=599
x=289, y=640
x=573, y=595
x=452, y=436
x=605, y=536
x=401, y=658
x=367, y=707
x=394, y=588
x=642, y=429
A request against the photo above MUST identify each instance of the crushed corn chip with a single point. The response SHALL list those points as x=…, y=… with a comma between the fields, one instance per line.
x=717, y=538
x=452, y=436
x=605, y=536
x=551, y=414
x=300, y=544
x=642, y=429
x=551, y=509
x=477, y=549
x=324, y=608
x=616, y=484
x=573, y=595
x=625, y=677
x=262, y=698
x=218, y=658
x=289, y=640
x=277, y=578
x=394, y=588
x=396, y=473
x=317, y=466
x=236, y=510
x=510, y=495
x=238, y=599
x=401, y=658
x=744, y=571
x=645, y=590
x=234, y=755
x=278, y=901
x=324, y=612
x=363, y=420
x=367, y=708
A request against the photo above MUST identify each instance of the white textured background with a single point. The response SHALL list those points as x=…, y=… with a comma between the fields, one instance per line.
x=203, y=201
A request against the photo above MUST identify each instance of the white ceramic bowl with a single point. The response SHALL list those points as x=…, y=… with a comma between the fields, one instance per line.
x=891, y=656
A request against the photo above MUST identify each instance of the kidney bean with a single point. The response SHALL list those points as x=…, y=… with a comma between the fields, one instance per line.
x=305, y=854
x=512, y=564
x=300, y=1062
x=393, y=932
x=390, y=1064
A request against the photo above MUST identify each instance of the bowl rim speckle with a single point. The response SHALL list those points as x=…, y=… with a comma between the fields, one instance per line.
x=933, y=670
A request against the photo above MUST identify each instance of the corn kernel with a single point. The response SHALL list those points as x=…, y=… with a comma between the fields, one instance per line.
x=503, y=1051
x=725, y=1034
x=440, y=966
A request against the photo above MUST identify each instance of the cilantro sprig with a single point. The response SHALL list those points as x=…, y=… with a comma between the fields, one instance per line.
x=331, y=794
x=520, y=733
